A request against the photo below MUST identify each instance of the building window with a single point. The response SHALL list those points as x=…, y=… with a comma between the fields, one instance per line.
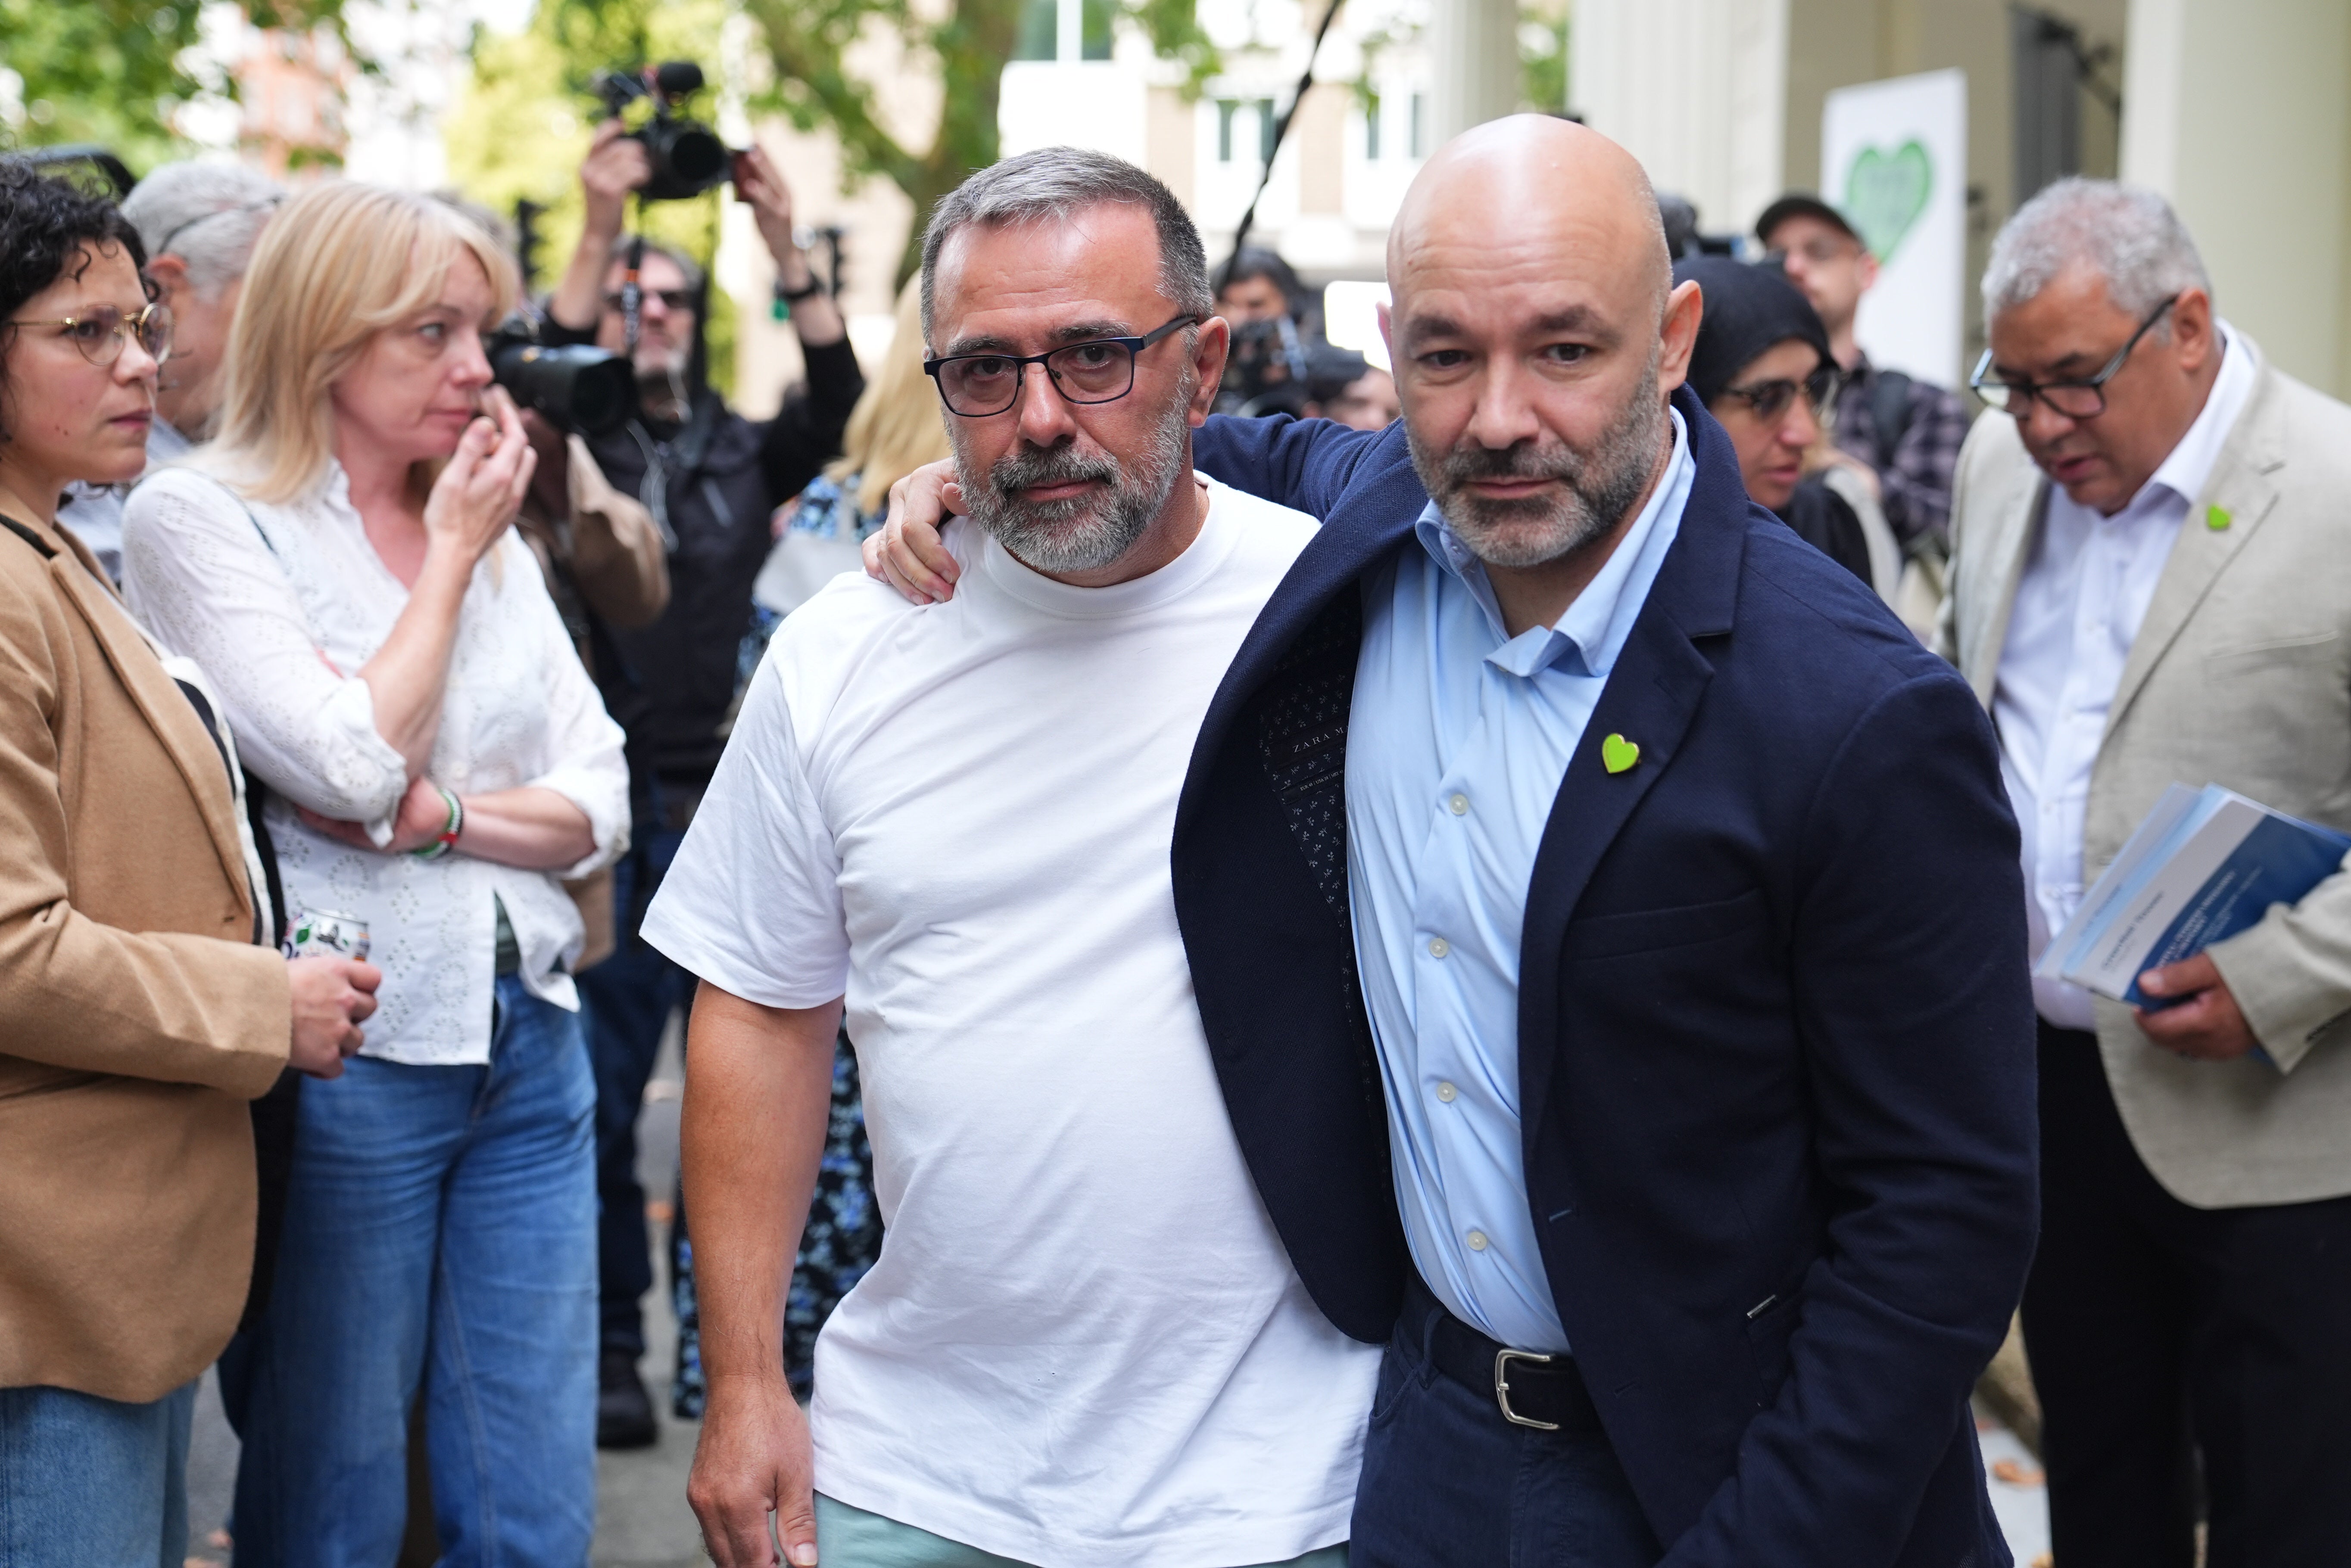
x=1226, y=108
x=1416, y=144
x=1371, y=128
x=1034, y=39
x=1037, y=36
x=1266, y=123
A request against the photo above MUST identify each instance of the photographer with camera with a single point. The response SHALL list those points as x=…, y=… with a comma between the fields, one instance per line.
x=710, y=479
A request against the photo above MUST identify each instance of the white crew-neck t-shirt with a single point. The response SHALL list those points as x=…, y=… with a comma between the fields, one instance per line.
x=1083, y=1345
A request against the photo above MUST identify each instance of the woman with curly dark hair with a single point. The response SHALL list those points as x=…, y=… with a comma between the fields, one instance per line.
x=141, y=1004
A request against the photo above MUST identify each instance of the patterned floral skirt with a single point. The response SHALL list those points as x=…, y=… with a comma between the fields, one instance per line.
x=842, y=1239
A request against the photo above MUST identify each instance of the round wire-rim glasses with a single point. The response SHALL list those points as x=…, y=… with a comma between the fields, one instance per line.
x=2083, y=400
x=1096, y=371
x=100, y=332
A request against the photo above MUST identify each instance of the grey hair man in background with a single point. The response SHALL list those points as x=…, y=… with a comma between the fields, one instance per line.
x=2152, y=584
x=199, y=221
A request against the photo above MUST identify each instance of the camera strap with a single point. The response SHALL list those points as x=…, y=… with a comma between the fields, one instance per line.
x=633, y=290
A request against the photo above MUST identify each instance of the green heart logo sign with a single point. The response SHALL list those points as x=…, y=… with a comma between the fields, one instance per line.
x=1885, y=192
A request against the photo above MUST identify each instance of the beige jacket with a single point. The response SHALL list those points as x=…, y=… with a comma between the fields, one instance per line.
x=136, y=1016
x=2241, y=676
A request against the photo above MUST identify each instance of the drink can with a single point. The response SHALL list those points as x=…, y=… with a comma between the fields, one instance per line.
x=323, y=931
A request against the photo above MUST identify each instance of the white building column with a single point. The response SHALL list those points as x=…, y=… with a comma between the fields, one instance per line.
x=1473, y=47
x=2235, y=109
x=1695, y=90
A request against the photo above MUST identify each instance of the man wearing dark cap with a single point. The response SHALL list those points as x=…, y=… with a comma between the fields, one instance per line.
x=1907, y=432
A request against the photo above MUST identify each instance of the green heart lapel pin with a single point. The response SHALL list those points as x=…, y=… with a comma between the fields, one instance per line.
x=1885, y=193
x=1618, y=755
x=2217, y=518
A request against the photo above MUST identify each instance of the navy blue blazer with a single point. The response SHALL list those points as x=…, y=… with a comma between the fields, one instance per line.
x=1775, y=1029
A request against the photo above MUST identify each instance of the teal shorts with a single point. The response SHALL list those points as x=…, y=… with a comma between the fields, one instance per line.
x=850, y=1537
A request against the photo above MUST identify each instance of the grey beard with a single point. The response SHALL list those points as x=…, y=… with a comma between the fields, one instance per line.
x=1602, y=485
x=1085, y=533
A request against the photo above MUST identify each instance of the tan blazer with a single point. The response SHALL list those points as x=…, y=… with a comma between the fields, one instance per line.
x=136, y=1016
x=2241, y=676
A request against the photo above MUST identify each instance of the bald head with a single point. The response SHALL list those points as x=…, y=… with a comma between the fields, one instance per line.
x=1567, y=193
x=1537, y=335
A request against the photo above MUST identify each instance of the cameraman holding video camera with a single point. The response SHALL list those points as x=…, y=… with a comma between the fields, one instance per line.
x=710, y=479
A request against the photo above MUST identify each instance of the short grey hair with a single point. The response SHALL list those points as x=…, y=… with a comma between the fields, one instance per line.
x=2129, y=235
x=1058, y=182
x=208, y=214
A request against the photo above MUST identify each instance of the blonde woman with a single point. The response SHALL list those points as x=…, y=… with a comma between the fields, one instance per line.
x=436, y=759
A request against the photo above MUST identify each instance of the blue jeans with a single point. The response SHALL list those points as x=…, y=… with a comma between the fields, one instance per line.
x=628, y=1000
x=87, y=1482
x=1446, y=1480
x=440, y=1229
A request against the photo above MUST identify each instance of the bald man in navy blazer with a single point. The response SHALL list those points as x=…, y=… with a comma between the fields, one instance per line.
x=1607, y=926
x=1736, y=1010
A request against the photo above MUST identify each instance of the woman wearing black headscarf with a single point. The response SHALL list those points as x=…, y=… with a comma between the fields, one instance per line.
x=1762, y=368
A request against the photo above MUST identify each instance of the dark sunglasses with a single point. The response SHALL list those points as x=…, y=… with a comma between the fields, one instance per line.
x=1769, y=399
x=673, y=298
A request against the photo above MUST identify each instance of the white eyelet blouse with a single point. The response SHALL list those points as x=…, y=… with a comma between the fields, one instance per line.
x=281, y=606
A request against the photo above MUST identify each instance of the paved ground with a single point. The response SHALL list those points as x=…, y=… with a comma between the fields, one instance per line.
x=643, y=1521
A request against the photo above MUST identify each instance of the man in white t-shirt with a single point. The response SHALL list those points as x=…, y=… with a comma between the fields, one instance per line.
x=1084, y=1345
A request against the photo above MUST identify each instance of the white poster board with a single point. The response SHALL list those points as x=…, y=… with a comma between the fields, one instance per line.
x=1893, y=160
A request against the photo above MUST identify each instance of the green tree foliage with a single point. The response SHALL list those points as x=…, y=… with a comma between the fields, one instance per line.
x=1542, y=55
x=117, y=72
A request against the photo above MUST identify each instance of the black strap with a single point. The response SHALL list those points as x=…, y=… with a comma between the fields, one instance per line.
x=1889, y=414
x=47, y=551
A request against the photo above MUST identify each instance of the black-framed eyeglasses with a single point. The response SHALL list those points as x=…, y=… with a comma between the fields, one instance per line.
x=1769, y=399
x=672, y=299
x=2075, y=400
x=101, y=333
x=1098, y=370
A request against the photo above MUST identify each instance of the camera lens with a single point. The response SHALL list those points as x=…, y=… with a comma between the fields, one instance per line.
x=578, y=386
x=687, y=159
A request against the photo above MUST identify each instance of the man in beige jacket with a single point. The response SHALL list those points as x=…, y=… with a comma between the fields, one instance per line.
x=2151, y=585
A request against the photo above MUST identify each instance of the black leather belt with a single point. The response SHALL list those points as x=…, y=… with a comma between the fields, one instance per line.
x=1545, y=1392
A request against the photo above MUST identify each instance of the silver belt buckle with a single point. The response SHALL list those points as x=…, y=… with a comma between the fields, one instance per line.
x=1502, y=1359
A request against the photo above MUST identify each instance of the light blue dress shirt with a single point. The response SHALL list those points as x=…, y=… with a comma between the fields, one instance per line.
x=1459, y=738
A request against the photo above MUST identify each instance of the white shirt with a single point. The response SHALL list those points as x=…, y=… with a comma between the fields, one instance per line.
x=1083, y=1345
x=1460, y=736
x=281, y=606
x=2085, y=592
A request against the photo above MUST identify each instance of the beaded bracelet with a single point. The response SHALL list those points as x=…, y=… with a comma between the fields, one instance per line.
x=448, y=835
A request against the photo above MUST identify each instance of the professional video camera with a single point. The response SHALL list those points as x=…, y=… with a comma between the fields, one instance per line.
x=578, y=386
x=686, y=156
x=1266, y=372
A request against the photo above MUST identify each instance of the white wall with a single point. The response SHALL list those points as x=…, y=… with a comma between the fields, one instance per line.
x=2237, y=110
x=1695, y=90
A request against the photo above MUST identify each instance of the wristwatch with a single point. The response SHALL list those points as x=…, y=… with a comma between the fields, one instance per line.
x=794, y=295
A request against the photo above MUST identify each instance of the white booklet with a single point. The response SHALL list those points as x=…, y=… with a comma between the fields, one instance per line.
x=2205, y=865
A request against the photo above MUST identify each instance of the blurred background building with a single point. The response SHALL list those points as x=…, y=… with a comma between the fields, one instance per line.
x=2234, y=109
